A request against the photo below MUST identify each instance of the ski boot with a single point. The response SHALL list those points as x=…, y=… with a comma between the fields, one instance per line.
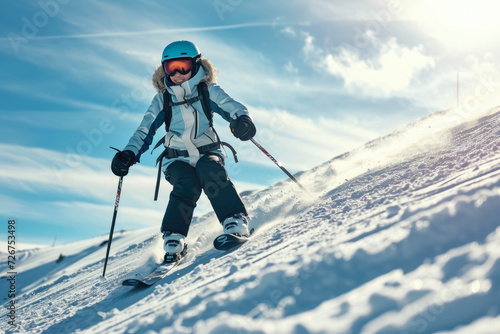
x=237, y=225
x=174, y=245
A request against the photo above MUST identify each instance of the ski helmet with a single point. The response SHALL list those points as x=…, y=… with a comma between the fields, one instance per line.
x=185, y=50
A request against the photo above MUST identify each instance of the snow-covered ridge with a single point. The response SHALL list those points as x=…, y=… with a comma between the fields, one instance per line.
x=399, y=236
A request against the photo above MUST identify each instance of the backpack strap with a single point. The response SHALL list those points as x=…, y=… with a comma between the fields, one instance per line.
x=167, y=108
x=205, y=102
x=186, y=101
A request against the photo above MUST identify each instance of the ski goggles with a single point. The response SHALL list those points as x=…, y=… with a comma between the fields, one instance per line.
x=181, y=65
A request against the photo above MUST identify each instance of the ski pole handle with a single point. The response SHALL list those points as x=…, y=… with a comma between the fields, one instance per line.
x=278, y=164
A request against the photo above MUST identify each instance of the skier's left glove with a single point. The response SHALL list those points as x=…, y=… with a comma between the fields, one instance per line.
x=122, y=162
x=243, y=127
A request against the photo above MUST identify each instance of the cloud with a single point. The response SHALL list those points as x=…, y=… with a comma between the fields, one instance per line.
x=387, y=72
x=309, y=49
x=289, y=31
x=290, y=68
x=304, y=141
x=151, y=32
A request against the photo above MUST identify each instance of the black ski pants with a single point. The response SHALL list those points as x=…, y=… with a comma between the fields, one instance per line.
x=188, y=182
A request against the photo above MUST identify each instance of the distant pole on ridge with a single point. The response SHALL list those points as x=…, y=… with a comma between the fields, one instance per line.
x=458, y=90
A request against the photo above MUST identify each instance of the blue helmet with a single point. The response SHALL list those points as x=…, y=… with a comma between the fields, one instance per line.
x=182, y=49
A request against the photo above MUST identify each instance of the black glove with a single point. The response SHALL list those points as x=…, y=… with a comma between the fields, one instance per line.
x=122, y=162
x=243, y=127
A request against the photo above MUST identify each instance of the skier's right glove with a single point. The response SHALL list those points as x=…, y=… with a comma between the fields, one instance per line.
x=122, y=162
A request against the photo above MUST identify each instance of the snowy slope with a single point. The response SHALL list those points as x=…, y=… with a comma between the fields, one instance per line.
x=400, y=236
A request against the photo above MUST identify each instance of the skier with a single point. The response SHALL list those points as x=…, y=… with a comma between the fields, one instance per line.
x=193, y=158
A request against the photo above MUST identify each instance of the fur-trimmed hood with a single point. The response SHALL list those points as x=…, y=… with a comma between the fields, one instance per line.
x=158, y=78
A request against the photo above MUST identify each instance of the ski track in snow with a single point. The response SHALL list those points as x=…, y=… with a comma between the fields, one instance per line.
x=401, y=236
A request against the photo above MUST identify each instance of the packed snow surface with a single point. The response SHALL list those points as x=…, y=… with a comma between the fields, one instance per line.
x=399, y=236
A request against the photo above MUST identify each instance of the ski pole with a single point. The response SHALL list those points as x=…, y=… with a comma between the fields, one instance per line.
x=117, y=201
x=277, y=163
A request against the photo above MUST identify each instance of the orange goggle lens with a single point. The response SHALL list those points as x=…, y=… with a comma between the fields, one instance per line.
x=183, y=66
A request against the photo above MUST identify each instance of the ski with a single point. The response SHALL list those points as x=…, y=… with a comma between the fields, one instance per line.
x=224, y=242
x=160, y=272
x=163, y=270
x=227, y=242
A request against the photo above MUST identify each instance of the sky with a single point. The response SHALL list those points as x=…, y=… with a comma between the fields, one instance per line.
x=320, y=78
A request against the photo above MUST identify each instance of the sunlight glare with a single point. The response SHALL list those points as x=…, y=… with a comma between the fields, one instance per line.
x=458, y=23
